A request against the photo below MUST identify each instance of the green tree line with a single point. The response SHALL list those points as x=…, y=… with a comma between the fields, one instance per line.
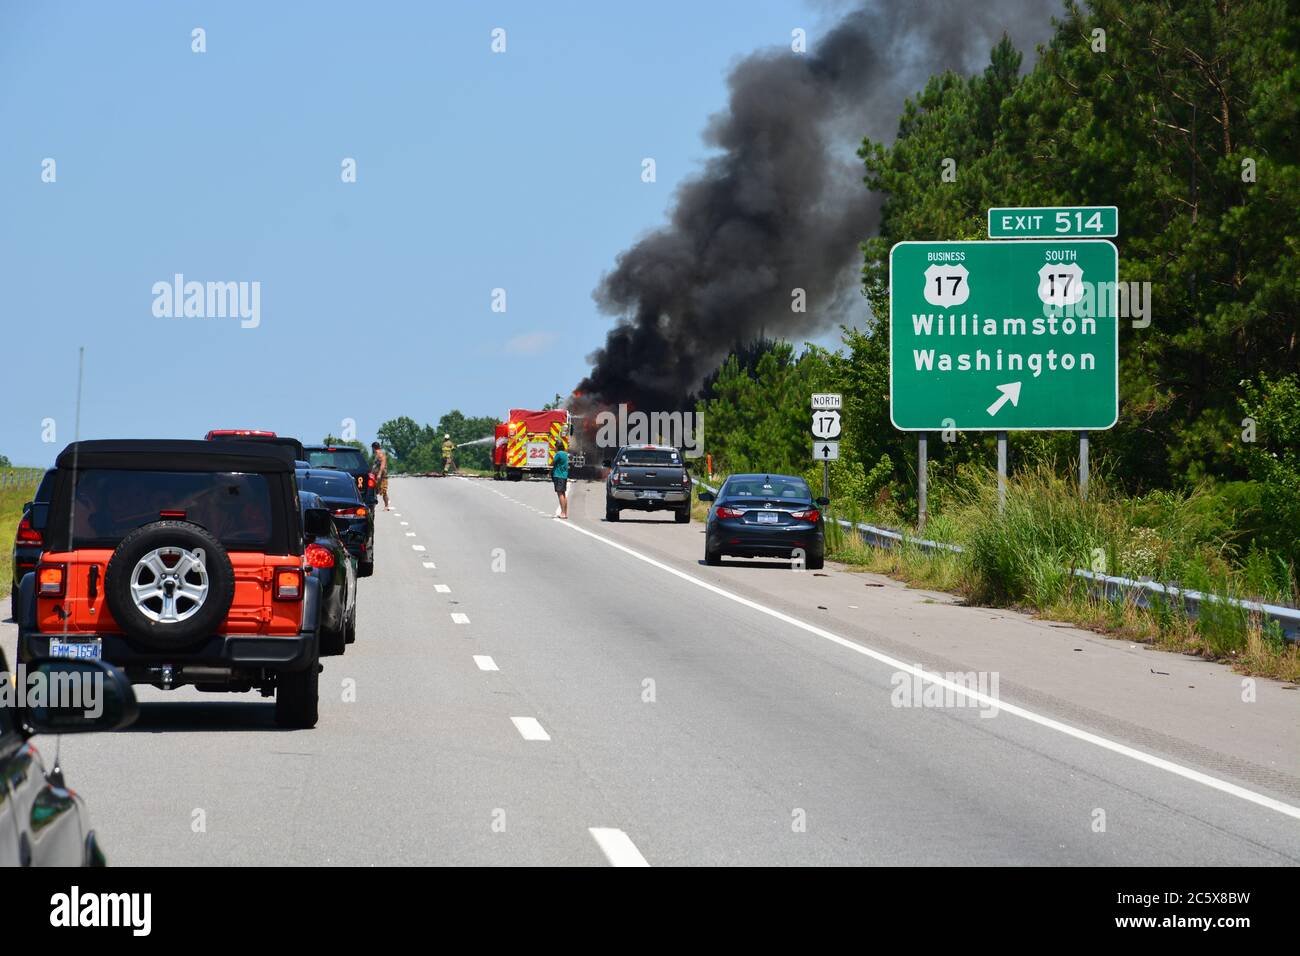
x=417, y=448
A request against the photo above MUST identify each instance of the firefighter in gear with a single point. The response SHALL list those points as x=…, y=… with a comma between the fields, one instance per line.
x=448, y=451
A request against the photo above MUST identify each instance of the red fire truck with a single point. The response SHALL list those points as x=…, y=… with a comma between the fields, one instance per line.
x=526, y=443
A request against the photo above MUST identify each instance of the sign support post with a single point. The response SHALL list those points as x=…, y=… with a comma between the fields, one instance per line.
x=1083, y=466
x=922, y=474
x=1002, y=471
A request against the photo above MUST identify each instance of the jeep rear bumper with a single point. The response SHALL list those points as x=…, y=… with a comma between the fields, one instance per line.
x=240, y=654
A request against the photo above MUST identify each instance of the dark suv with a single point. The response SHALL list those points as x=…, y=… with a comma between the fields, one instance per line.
x=352, y=461
x=27, y=540
x=181, y=562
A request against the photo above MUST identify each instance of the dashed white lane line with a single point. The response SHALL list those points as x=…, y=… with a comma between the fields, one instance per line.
x=442, y=589
x=404, y=523
x=418, y=547
x=458, y=618
x=410, y=534
x=530, y=729
x=430, y=565
x=485, y=663
x=984, y=700
x=617, y=847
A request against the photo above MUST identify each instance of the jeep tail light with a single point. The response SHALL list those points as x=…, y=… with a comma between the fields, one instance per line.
x=288, y=584
x=319, y=556
x=725, y=512
x=51, y=580
x=27, y=534
x=812, y=514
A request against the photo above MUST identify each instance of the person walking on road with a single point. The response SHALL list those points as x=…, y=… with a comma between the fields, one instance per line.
x=560, y=478
x=379, y=472
x=448, y=451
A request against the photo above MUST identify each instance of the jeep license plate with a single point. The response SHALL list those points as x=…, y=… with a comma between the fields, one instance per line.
x=86, y=650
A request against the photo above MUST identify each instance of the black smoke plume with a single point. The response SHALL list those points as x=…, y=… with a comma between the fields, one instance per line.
x=782, y=206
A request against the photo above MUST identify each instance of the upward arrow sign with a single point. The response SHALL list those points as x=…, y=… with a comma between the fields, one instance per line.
x=1010, y=393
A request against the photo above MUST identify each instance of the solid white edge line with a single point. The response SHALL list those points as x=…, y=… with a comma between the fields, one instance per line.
x=457, y=617
x=530, y=728
x=617, y=847
x=485, y=663
x=1160, y=763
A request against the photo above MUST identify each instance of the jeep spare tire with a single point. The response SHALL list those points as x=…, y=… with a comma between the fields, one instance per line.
x=169, y=584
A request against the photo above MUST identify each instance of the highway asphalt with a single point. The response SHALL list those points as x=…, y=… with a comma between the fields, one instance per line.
x=529, y=691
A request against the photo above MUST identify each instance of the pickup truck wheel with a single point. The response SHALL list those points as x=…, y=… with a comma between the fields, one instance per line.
x=169, y=584
x=816, y=563
x=297, y=696
x=683, y=515
x=611, y=512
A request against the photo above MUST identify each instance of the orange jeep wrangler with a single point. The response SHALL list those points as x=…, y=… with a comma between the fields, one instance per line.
x=181, y=562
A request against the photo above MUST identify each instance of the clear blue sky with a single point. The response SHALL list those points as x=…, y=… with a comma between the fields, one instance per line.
x=475, y=171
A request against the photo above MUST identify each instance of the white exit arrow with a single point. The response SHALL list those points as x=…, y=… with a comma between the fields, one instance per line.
x=1010, y=393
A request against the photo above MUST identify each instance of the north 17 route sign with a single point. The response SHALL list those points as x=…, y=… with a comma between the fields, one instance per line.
x=1058, y=222
x=1003, y=336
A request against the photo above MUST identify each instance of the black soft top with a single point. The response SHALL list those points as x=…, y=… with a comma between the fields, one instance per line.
x=167, y=454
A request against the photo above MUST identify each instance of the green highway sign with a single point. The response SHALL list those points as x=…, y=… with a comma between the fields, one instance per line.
x=1004, y=336
x=1054, y=222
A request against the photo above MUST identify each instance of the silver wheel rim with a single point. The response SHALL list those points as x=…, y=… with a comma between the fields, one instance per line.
x=169, y=585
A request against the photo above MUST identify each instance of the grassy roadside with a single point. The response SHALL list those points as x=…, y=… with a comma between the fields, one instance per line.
x=1022, y=558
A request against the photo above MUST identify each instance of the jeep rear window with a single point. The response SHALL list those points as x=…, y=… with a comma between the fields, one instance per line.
x=234, y=508
x=648, y=456
x=347, y=459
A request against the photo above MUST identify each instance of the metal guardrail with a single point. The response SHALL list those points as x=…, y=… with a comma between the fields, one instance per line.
x=1145, y=594
x=20, y=477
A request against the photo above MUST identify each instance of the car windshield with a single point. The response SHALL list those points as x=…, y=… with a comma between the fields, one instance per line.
x=648, y=456
x=235, y=508
x=345, y=459
x=772, y=486
x=328, y=486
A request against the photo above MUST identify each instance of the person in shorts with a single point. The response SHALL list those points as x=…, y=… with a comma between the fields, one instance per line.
x=379, y=471
x=560, y=479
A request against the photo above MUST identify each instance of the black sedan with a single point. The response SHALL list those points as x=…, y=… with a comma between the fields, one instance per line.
x=329, y=562
x=28, y=542
x=355, y=521
x=755, y=516
x=350, y=460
